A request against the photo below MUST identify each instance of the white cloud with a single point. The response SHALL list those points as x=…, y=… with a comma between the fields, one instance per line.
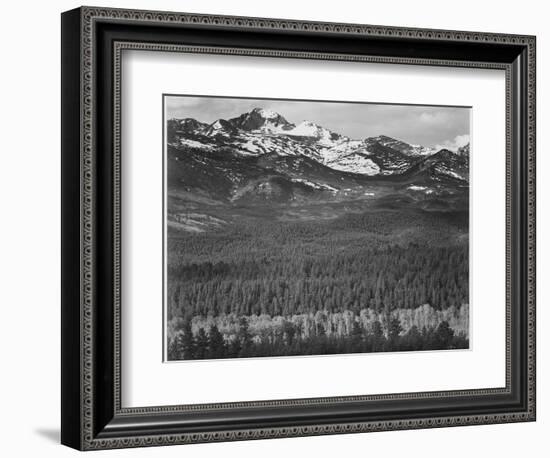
x=453, y=145
x=435, y=117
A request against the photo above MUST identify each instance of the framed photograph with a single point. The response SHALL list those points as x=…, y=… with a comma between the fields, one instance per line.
x=276, y=228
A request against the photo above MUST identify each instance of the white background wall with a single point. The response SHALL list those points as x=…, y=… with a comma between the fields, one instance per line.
x=30, y=214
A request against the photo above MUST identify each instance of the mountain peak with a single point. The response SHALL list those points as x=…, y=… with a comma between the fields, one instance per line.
x=445, y=153
x=305, y=122
x=219, y=127
x=267, y=114
x=187, y=125
x=260, y=118
x=383, y=138
x=400, y=145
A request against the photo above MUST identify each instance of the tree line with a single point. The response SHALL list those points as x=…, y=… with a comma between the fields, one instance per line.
x=212, y=344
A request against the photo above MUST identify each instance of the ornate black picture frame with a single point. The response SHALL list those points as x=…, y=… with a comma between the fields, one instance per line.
x=92, y=42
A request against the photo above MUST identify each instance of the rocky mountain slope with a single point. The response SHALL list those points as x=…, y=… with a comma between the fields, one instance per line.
x=261, y=157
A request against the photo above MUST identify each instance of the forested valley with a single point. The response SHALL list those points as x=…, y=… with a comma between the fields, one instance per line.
x=367, y=282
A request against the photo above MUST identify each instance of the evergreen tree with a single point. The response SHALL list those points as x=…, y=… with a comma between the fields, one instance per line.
x=175, y=348
x=216, y=343
x=234, y=348
x=394, y=330
x=201, y=344
x=187, y=341
x=289, y=331
x=443, y=336
x=412, y=340
x=378, y=339
x=356, y=336
x=244, y=337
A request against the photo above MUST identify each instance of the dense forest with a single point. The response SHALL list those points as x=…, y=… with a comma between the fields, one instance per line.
x=212, y=344
x=392, y=277
x=382, y=281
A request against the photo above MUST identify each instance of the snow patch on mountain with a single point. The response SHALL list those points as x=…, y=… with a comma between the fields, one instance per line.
x=420, y=189
x=401, y=146
x=193, y=144
x=221, y=127
x=449, y=172
x=355, y=163
x=267, y=114
x=307, y=129
x=319, y=186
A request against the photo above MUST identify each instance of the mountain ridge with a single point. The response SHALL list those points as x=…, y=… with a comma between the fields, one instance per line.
x=261, y=156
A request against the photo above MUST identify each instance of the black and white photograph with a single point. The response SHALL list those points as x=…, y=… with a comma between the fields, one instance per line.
x=276, y=222
x=312, y=228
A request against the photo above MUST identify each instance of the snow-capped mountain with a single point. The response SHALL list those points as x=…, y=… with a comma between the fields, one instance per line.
x=261, y=121
x=263, y=131
x=401, y=146
x=221, y=127
x=260, y=154
x=443, y=166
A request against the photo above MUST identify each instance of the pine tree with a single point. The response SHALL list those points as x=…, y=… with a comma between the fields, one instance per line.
x=175, y=348
x=394, y=329
x=234, y=348
x=378, y=339
x=244, y=337
x=356, y=336
x=187, y=341
x=216, y=343
x=443, y=336
x=289, y=331
x=201, y=344
x=412, y=340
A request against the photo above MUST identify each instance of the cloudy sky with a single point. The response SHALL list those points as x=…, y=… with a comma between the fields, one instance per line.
x=432, y=126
